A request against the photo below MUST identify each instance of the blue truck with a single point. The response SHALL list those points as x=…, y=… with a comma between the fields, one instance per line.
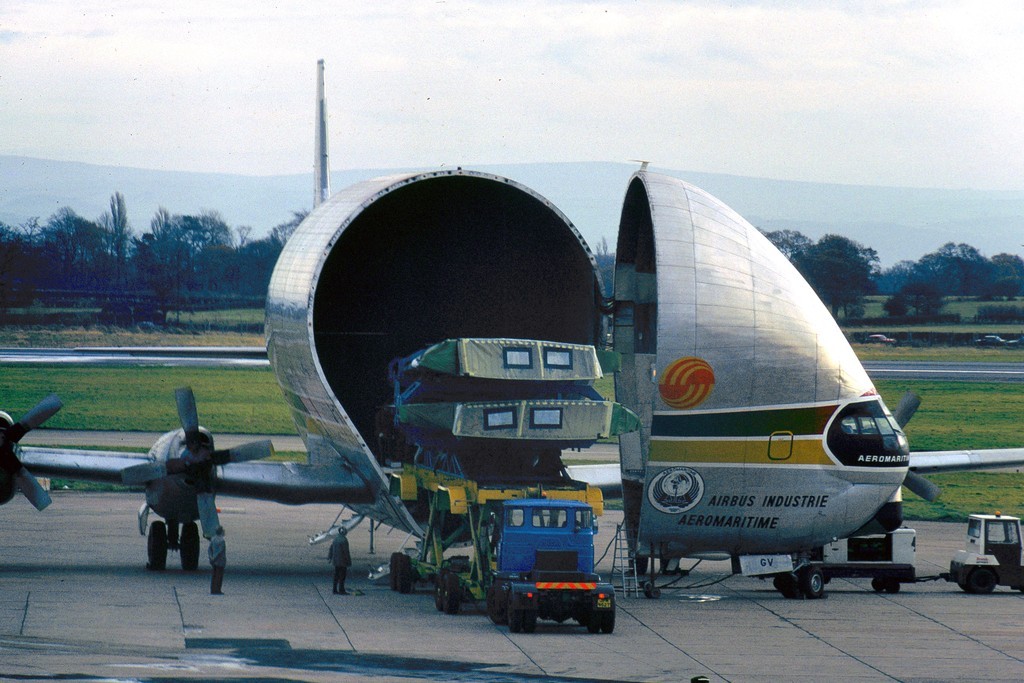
x=545, y=568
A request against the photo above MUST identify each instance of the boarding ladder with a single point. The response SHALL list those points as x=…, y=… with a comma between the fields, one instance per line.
x=624, y=564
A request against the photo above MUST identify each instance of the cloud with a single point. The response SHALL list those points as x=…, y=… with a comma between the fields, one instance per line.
x=912, y=93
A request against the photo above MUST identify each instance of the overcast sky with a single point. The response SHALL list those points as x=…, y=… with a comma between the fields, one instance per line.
x=926, y=94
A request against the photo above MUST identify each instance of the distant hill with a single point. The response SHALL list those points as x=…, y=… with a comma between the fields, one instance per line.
x=899, y=223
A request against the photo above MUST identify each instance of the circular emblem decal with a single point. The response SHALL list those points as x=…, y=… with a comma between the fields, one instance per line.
x=675, y=490
x=686, y=383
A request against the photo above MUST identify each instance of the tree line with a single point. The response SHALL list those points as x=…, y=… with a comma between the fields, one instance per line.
x=185, y=257
x=843, y=272
x=180, y=257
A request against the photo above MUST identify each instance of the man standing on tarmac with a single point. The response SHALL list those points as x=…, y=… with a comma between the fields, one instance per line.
x=218, y=560
x=341, y=559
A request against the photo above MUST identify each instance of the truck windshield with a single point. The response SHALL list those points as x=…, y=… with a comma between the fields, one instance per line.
x=549, y=518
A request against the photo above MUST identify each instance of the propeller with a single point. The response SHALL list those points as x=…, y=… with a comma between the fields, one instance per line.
x=197, y=461
x=11, y=433
x=908, y=405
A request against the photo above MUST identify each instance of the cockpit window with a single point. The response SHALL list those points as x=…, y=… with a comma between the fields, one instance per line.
x=864, y=435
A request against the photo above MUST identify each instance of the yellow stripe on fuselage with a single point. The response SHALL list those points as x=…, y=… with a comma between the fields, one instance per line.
x=739, y=451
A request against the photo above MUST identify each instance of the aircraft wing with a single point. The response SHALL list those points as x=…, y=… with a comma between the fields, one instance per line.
x=607, y=477
x=282, y=482
x=924, y=462
x=79, y=464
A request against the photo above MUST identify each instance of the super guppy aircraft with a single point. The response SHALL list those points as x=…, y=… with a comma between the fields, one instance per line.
x=759, y=431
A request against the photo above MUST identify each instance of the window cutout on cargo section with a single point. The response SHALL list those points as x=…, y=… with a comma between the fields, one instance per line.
x=499, y=418
x=558, y=358
x=545, y=418
x=516, y=517
x=518, y=357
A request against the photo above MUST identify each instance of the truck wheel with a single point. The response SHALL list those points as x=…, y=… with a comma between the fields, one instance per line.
x=529, y=620
x=981, y=580
x=439, y=594
x=594, y=622
x=608, y=621
x=812, y=583
x=515, y=620
x=497, y=609
x=403, y=580
x=451, y=593
x=393, y=572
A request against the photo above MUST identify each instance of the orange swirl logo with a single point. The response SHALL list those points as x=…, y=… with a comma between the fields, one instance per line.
x=686, y=383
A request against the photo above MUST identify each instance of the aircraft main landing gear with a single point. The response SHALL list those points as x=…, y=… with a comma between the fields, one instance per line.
x=156, y=546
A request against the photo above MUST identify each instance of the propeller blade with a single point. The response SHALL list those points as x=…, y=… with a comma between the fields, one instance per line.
x=921, y=486
x=187, y=412
x=43, y=411
x=30, y=486
x=909, y=404
x=143, y=473
x=208, y=517
x=256, y=450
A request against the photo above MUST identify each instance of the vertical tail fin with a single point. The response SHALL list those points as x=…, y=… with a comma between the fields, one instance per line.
x=321, y=161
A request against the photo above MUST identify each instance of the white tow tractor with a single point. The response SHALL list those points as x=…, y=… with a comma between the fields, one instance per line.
x=991, y=556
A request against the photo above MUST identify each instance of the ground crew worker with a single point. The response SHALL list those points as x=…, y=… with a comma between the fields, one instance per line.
x=341, y=559
x=218, y=560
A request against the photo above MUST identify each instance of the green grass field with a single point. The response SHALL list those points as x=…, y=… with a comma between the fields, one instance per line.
x=952, y=416
x=238, y=401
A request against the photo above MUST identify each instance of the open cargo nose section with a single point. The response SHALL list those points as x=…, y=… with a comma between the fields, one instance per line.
x=440, y=256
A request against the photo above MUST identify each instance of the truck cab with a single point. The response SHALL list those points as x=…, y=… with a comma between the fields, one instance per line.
x=991, y=556
x=546, y=526
x=545, y=568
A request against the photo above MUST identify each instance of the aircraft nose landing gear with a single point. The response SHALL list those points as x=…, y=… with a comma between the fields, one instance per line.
x=806, y=582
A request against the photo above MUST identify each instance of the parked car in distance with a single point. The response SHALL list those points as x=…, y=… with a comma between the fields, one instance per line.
x=880, y=339
x=990, y=340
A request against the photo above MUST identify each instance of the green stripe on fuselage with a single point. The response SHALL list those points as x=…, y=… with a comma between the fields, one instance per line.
x=800, y=420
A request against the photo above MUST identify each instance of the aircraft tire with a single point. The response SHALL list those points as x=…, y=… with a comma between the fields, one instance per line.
x=812, y=583
x=651, y=591
x=787, y=585
x=189, y=548
x=156, y=546
x=980, y=581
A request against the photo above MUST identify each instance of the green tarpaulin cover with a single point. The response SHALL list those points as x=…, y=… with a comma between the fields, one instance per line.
x=552, y=420
x=514, y=359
